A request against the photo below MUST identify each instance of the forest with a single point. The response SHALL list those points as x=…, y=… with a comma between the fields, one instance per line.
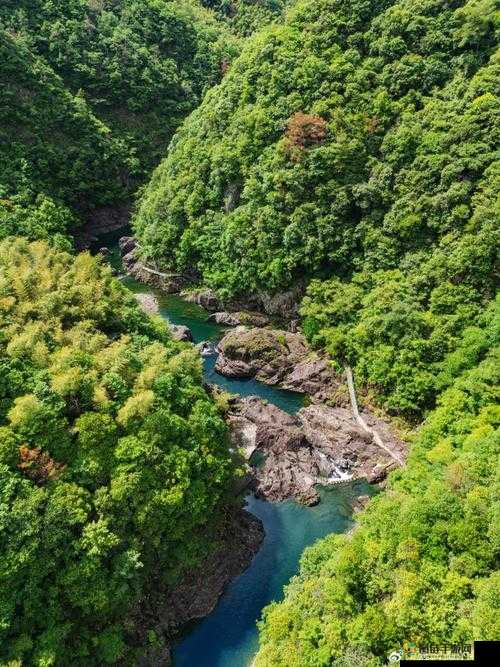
x=342, y=150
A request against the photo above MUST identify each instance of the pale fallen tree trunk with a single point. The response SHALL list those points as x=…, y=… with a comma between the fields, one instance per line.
x=359, y=419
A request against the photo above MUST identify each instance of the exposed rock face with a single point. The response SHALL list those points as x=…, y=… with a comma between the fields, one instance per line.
x=195, y=596
x=181, y=333
x=205, y=298
x=240, y=317
x=282, y=304
x=171, y=283
x=335, y=433
x=319, y=445
x=126, y=244
x=101, y=221
x=279, y=357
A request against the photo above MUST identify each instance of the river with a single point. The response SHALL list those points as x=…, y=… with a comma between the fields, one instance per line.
x=228, y=637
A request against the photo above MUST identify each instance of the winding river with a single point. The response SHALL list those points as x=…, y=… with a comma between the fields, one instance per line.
x=228, y=637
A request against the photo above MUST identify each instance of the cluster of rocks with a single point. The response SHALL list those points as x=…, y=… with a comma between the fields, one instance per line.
x=279, y=358
x=319, y=445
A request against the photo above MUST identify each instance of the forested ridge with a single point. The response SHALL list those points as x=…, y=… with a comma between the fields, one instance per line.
x=353, y=150
x=345, y=151
x=113, y=460
x=92, y=94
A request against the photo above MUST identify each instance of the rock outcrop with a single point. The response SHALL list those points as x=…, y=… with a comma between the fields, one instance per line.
x=181, y=332
x=206, y=298
x=279, y=358
x=148, y=302
x=240, y=317
x=99, y=221
x=195, y=596
x=170, y=283
x=319, y=445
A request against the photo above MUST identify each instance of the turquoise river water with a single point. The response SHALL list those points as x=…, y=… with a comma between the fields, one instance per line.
x=228, y=637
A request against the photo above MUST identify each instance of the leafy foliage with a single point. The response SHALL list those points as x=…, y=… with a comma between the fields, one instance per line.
x=93, y=92
x=51, y=147
x=356, y=143
x=113, y=459
x=245, y=16
x=422, y=564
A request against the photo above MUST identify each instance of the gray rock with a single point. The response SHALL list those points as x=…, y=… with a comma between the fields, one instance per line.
x=206, y=298
x=319, y=445
x=126, y=244
x=181, y=333
x=238, y=318
x=148, y=302
x=279, y=357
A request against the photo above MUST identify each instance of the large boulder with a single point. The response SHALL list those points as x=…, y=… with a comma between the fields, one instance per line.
x=148, y=302
x=240, y=317
x=279, y=357
x=181, y=332
x=126, y=244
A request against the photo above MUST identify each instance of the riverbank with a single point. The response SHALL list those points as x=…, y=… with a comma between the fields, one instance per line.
x=287, y=458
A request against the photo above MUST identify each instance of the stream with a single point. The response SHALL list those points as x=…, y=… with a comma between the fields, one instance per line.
x=228, y=637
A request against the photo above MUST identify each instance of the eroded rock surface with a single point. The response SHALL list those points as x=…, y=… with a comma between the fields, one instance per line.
x=195, y=596
x=319, y=445
x=171, y=283
x=282, y=358
x=181, y=332
x=148, y=302
x=240, y=317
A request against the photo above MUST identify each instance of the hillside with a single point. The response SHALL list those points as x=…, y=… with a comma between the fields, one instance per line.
x=113, y=460
x=94, y=93
x=333, y=150
x=336, y=156
x=56, y=156
x=246, y=16
x=351, y=154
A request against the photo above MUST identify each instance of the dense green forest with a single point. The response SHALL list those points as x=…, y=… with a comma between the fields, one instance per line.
x=355, y=143
x=353, y=150
x=92, y=94
x=343, y=149
x=246, y=16
x=112, y=458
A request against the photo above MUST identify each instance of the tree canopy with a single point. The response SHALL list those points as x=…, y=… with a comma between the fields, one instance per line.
x=113, y=459
x=355, y=144
x=93, y=92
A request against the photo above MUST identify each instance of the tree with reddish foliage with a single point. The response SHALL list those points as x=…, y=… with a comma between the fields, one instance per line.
x=38, y=466
x=305, y=130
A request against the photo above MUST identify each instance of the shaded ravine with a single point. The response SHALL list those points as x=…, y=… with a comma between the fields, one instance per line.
x=228, y=637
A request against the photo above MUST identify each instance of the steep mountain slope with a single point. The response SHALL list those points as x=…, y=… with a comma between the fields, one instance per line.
x=357, y=143
x=56, y=157
x=246, y=16
x=141, y=66
x=113, y=461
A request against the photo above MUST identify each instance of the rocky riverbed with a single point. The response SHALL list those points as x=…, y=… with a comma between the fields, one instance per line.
x=319, y=445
